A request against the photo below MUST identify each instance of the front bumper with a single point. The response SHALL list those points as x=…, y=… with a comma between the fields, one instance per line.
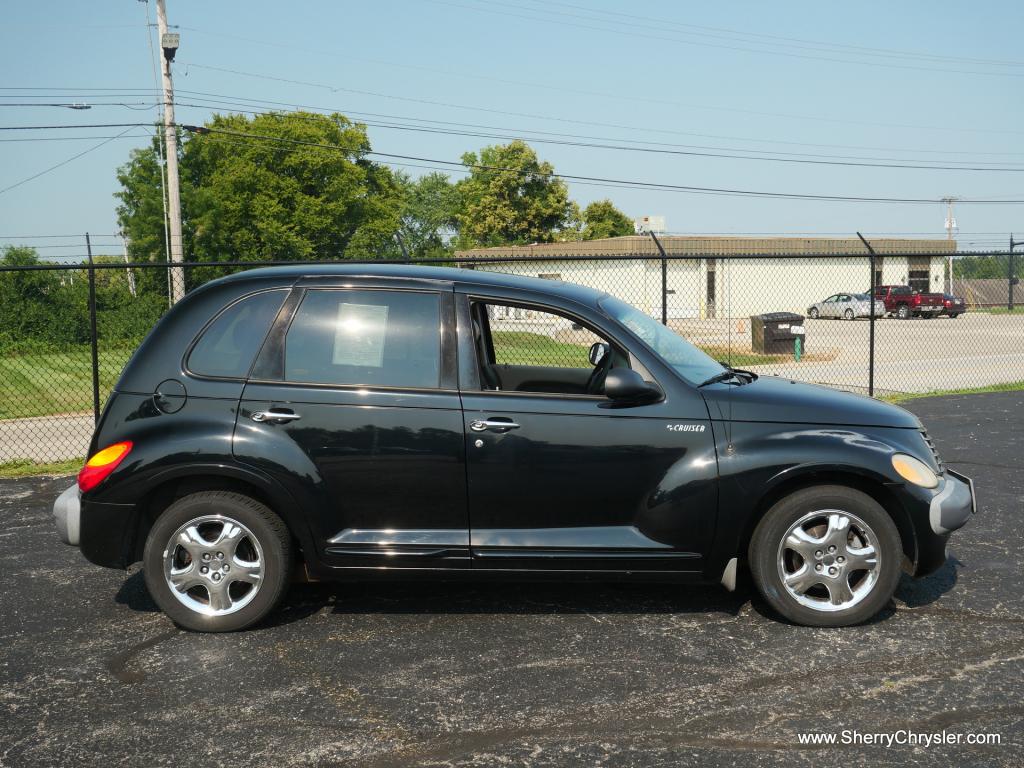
x=953, y=505
x=67, y=513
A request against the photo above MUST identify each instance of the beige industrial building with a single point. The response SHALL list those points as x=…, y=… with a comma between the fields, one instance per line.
x=727, y=276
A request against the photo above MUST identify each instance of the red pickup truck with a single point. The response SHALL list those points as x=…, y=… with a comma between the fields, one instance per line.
x=904, y=302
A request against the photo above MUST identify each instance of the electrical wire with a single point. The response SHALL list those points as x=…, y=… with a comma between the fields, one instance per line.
x=63, y=162
x=820, y=43
x=906, y=165
x=593, y=179
x=619, y=30
x=690, y=106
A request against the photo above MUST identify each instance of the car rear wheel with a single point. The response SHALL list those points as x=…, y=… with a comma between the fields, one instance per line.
x=217, y=561
x=813, y=313
x=953, y=315
x=903, y=312
x=848, y=314
x=826, y=556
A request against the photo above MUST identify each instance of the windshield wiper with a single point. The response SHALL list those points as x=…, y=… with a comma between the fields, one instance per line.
x=723, y=376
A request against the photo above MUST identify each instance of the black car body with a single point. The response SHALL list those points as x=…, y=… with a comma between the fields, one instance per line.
x=364, y=412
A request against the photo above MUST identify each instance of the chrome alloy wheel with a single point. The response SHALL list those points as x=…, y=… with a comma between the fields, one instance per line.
x=213, y=565
x=829, y=560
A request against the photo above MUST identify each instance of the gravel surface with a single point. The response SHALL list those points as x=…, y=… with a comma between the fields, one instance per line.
x=534, y=674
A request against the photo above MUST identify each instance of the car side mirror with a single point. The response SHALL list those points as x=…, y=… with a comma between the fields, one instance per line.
x=597, y=353
x=625, y=386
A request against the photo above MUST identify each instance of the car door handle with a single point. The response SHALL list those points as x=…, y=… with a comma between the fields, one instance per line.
x=492, y=424
x=274, y=415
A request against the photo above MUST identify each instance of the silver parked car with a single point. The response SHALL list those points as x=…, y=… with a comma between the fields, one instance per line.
x=848, y=306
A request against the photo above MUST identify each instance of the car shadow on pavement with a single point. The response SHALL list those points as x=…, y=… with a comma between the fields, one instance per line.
x=447, y=597
x=916, y=593
x=441, y=597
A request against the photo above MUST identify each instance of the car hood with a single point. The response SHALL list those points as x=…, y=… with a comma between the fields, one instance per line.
x=775, y=399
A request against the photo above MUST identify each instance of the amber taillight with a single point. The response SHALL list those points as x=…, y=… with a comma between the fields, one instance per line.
x=101, y=464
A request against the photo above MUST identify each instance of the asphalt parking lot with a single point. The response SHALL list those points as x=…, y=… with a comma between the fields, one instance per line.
x=537, y=674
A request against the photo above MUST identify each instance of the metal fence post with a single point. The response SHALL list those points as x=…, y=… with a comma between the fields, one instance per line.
x=94, y=339
x=664, y=279
x=1009, y=276
x=871, y=317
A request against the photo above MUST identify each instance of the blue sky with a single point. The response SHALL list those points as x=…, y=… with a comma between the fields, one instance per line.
x=911, y=82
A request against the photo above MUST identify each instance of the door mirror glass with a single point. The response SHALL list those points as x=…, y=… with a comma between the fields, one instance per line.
x=626, y=385
x=598, y=351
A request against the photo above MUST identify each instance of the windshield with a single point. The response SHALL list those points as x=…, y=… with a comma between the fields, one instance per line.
x=690, y=362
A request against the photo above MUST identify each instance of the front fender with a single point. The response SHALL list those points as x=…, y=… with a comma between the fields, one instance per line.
x=757, y=459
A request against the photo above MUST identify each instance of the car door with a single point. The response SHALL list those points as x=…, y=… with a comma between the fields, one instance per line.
x=353, y=406
x=843, y=302
x=557, y=478
x=828, y=306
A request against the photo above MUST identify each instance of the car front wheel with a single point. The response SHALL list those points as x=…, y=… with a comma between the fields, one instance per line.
x=217, y=561
x=813, y=313
x=826, y=556
x=848, y=314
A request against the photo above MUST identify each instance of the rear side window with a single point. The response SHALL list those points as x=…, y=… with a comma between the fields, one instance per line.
x=352, y=337
x=228, y=345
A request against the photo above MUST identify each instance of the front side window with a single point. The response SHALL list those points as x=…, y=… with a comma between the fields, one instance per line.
x=229, y=344
x=688, y=361
x=372, y=338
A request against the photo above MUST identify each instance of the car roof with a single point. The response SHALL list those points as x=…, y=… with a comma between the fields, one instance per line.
x=474, y=277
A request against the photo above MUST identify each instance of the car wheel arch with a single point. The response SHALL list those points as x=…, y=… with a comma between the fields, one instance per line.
x=870, y=485
x=174, y=484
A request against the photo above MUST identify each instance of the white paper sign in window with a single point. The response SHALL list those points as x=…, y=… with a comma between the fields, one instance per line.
x=359, y=335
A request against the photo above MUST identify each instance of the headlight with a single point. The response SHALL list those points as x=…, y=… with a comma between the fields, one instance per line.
x=914, y=471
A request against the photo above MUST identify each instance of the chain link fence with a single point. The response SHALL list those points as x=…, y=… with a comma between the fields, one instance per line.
x=68, y=330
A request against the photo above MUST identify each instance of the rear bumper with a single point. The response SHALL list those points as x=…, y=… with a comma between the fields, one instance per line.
x=67, y=514
x=104, y=532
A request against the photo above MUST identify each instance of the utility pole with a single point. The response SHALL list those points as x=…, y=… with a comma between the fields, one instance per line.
x=951, y=229
x=169, y=44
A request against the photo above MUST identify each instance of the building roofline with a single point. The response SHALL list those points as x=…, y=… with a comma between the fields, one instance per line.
x=717, y=246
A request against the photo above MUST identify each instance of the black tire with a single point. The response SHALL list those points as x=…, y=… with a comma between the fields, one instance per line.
x=812, y=313
x=766, y=549
x=271, y=536
x=954, y=315
x=848, y=314
x=903, y=312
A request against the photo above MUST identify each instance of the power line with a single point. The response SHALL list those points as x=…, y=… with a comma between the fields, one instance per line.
x=883, y=51
x=642, y=145
x=734, y=110
x=592, y=179
x=61, y=127
x=724, y=154
x=61, y=164
x=618, y=30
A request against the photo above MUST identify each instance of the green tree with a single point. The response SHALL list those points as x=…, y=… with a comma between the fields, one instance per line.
x=40, y=308
x=983, y=266
x=602, y=219
x=283, y=197
x=429, y=215
x=511, y=198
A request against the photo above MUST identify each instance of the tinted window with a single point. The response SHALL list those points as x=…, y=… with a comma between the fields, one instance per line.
x=385, y=338
x=230, y=343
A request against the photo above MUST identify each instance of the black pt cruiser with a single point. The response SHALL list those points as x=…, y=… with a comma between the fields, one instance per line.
x=360, y=422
